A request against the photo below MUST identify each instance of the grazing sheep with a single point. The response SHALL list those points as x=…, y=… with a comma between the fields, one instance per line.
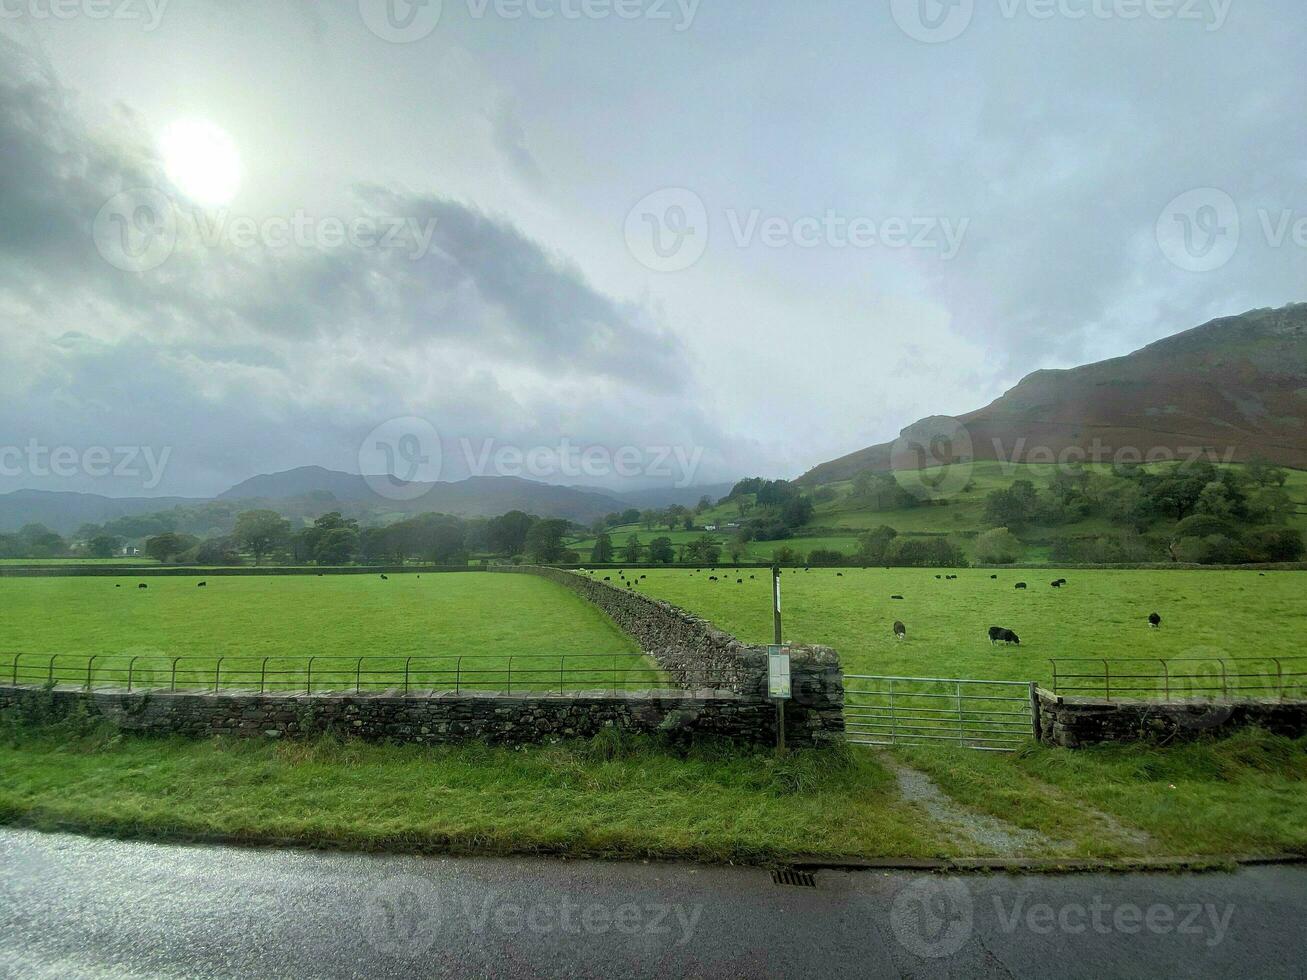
x=202, y=585
x=385, y=578
x=1154, y=620
x=839, y=574
x=142, y=586
x=999, y=634
x=900, y=630
x=896, y=597
x=939, y=576
x=1057, y=583
x=608, y=578
x=993, y=576
x=1020, y=585
x=117, y=586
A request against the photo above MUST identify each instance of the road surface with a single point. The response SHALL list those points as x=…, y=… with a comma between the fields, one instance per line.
x=76, y=907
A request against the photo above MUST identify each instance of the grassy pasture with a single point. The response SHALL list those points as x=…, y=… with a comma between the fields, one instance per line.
x=1099, y=613
x=438, y=620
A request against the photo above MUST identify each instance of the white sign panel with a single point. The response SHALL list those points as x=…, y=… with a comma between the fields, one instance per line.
x=778, y=673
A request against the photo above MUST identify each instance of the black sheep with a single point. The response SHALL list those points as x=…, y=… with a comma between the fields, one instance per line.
x=1056, y=584
x=1020, y=585
x=1154, y=620
x=993, y=576
x=896, y=597
x=142, y=586
x=999, y=634
x=900, y=631
x=202, y=585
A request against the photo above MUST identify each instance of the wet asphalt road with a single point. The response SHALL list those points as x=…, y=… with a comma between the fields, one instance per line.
x=75, y=907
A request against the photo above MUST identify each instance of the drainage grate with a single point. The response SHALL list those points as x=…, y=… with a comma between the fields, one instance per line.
x=799, y=879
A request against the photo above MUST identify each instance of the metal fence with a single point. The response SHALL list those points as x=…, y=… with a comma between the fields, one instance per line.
x=993, y=716
x=1180, y=678
x=520, y=673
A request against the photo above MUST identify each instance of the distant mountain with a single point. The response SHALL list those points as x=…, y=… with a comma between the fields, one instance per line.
x=65, y=512
x=477, y=496
x=659, y=497
x=1236, y=386
x=299, y=482
x=309, y=491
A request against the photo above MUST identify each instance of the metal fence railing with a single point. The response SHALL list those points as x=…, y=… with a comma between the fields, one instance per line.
x=519, y=673
x=1180, y=678
x=993, y=716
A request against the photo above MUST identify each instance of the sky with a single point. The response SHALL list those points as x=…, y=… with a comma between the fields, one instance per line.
x=618, y=243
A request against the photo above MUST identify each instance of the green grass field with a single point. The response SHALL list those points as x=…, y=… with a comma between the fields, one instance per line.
x=463, y=626
x=1100, y=613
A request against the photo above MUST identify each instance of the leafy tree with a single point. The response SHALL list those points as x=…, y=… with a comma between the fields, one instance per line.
x=167, y=546
x=703, y=549
x=630, y=516
x=1012, y=507
x=924, y=552
x=544, y=542
x=631, y=550
x=217, y=551
x=660, y=550
x=260, y=532
x=873, y=545
x=104, y=546
x=673, y=516
x=998, y=546
x=1274, y=544
x=336, y=546
x=507, y=533
x=826, y=556
x=602, y=552
x=705, y=503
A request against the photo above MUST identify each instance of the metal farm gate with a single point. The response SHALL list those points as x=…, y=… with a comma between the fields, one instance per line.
x=992, y=716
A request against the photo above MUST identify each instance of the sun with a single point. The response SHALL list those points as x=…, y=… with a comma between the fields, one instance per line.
x=201, y=160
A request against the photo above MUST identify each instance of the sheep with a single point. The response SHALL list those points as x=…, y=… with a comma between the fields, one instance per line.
x=1154, y=620
x=994, y=576
x=202, y=585
x=385, y=578
x=1000, y=634
x=117, y=586
x=1020, y=585
x=142, y=586
x=900, y=631
x=1056, y=583
x=896, y=597
x=939, y=576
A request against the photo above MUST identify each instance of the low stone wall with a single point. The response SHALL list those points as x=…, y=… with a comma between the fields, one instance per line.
x=695, y=654
x=429, y=719
x=1076, y=722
